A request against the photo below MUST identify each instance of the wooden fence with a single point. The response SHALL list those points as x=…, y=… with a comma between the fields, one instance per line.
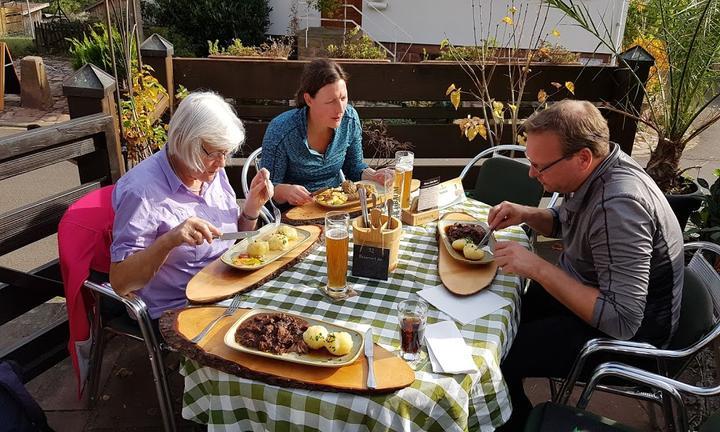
x=409, y=97
x=52, y=36
x=91, y=141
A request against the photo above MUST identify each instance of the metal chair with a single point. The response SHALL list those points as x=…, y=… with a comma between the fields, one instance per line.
x=80, y=225
x=505, y=179
x=551, y=416
x=698, y=327
x=254, y=160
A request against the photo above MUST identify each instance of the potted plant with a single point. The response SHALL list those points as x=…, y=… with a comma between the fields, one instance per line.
x=688, y=34
x=357, y=47
x=275, y=49
x=706, y=221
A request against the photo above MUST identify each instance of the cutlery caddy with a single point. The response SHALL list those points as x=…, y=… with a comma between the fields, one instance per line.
x=378, y=235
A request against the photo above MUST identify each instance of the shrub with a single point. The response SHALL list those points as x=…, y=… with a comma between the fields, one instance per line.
x=95, y=48
x=276, y=47
x=20, y=46
x=204, y=20
x=356, y=45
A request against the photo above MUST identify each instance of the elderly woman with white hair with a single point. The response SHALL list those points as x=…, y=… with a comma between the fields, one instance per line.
x=169, y=208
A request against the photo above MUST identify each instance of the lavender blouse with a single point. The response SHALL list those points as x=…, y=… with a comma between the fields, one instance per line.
x=149, y=201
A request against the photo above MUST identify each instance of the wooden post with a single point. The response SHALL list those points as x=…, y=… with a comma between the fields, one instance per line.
x=628, y=95
x=157, y=52
x=89, y=91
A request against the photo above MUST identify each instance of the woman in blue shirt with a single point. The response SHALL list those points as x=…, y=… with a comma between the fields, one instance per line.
x=306, y=148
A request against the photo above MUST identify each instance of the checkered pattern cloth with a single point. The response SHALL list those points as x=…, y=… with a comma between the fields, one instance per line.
x=434, y=402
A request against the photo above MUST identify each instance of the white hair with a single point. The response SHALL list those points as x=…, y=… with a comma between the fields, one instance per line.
x=203, y=117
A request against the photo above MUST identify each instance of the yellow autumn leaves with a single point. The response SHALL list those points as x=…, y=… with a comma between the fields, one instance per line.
x=472, y=126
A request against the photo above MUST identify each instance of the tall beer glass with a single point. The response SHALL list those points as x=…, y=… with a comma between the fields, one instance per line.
x=403, y=176
x=336, y=244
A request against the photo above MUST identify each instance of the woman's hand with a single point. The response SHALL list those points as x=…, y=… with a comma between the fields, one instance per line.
x=293, y=194
x=193, y=231
x=261, y=190
x=383, y=176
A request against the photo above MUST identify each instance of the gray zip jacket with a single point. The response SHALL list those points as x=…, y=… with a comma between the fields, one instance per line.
x=621, y=236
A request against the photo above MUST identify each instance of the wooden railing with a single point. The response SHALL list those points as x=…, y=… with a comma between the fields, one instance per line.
x=92, y=142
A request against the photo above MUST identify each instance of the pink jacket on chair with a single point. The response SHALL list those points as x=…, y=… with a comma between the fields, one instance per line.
x=84, y=238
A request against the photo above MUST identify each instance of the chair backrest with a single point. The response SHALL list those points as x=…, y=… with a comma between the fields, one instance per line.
x=254, y=161
x=505, y=179
x=696, y=312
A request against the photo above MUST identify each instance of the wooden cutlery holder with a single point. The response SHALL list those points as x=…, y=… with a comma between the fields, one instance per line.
x=377, y=235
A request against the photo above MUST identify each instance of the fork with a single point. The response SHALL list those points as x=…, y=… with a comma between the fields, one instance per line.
x=276, y=212
x=234, y=306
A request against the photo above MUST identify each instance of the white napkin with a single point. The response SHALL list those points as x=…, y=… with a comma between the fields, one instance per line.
x=447, y=349
x=463, y=309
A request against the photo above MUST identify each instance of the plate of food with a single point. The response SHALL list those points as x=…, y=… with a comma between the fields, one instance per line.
x=294, y=338
x=269, y=245
x=461, y=238
x=344, y=196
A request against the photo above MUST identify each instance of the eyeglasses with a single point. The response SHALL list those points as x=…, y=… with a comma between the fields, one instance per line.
x=217, y=155
x=548, y=166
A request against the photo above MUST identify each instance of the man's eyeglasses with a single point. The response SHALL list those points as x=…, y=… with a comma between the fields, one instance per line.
x=548, y=166
x=217, y=155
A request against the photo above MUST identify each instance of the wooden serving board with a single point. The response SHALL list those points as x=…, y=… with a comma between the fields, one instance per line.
x=461, y=278
x=219, y=281
x=178, y=326
x=314, y=213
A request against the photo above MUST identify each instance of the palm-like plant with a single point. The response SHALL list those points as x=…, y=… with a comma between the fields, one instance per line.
x=680, y=109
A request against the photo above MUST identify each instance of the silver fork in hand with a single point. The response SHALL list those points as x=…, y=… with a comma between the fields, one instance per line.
x=234, y=306
x=276, y=212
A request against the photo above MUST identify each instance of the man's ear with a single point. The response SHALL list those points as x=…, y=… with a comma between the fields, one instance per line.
x=586, y=158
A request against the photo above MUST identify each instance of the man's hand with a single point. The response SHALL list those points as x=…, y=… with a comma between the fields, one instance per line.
x=193, y=231
x=512, y=257
x=506, y=214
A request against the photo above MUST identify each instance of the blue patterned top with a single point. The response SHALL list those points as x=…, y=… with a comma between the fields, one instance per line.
x=290, y=160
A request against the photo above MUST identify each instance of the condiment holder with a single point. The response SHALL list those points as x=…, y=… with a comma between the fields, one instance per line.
x=378, y=234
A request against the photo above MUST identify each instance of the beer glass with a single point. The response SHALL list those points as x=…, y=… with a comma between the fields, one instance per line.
x=412, y=315
x=336, y=245
x=403, y=177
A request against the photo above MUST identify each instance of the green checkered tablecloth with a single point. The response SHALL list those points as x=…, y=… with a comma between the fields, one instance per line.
x=434, y=402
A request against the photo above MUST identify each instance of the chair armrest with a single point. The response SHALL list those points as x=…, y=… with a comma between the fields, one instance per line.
x=132, y=301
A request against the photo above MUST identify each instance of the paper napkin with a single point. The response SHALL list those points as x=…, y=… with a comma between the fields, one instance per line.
x=447, y=349
x=463, y=309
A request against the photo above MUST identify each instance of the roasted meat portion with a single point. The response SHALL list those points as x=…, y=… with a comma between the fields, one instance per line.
x=460, y=230
x=276, y=333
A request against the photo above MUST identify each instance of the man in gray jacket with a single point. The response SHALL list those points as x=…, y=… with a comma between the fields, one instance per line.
x=620, y=274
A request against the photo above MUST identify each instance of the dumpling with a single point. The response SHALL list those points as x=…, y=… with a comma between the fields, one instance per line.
x=339, y=343
x=258, y=248
x=278, y=241
x=314, y=336
x=459, y=244
x=472, y=252
x=288, y=231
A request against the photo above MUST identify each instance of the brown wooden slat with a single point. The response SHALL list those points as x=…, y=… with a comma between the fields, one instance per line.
x=25, y=291
x=48, y=136
x=382, y=81
x=41, y=350
x=33, y=161
x=34, y=221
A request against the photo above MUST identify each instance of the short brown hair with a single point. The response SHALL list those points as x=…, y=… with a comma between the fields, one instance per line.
x=579, y=125
x=316, y=75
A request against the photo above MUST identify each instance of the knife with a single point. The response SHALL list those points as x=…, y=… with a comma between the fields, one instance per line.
x=369, y=354
x=238, y=235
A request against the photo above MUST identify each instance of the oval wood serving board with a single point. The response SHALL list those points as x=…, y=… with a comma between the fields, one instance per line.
x=178, y=326
x=314, y=213
x=460, y=278
x=218, y=281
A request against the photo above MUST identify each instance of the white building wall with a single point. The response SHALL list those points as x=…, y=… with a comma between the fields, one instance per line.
x=431, y=21
x=281, y=14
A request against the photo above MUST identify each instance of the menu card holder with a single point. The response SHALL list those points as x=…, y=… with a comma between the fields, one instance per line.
x=449, y=193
